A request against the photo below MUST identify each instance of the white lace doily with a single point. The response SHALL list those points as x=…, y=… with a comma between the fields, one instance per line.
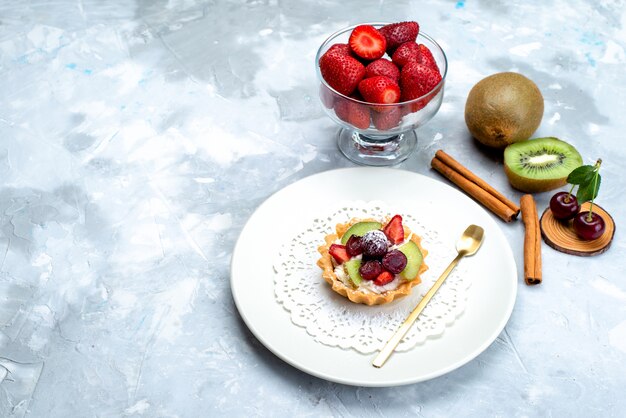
x=333, y=320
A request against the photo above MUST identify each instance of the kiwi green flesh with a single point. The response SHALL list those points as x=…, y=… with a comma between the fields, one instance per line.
x=540, y=164
x=359, y=229
x=413, y=260
x=352, y=267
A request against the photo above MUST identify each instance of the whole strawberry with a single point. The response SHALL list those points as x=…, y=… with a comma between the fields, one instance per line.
x=327, y=97
x=355, y=114
x=383, y=67
x=379, y=89
x=426, y=57
x=408, y=51
x=411, y=51
x=398, y=33
x=341, y=72
x=416, y=80
x=340, y=49
x=384, y=121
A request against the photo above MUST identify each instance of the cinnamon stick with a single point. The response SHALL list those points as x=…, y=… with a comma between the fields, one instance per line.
x=532, y=241
x=455, y=165
x=474, y=186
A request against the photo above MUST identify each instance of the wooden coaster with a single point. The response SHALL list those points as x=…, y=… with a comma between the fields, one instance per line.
x=562, y=237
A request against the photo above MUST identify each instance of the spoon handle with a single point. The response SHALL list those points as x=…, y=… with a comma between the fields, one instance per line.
x=384, y=354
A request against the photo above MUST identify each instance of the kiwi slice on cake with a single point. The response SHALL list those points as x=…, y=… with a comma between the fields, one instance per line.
x=352, y=267
x=539, y=165
x=414, y=259
x=359, y=229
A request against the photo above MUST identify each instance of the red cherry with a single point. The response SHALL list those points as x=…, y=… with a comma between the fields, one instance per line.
x=589, y=227
x=564, y=206
x=371, y=269
x=394, y=261
x=353, y=246
x=374, y=244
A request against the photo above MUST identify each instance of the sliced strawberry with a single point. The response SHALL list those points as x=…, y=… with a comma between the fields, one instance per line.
x=367, y=42
x=416, y=80
x=339, y=253
x=426, y=57
x=386, y=120
x=408, y=51
x=383, y=278
x=383, y=67
x=355, y=114
x=394, y=230
x=398, y=33
x=341, y=72
x=379, y=89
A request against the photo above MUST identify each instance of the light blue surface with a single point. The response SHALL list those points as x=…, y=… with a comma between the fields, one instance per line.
x=138, y=137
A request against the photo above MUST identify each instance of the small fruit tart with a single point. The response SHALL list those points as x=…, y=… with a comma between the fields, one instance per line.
x=372, y=262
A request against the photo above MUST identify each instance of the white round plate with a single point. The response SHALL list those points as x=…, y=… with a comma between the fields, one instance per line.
x=490, y=299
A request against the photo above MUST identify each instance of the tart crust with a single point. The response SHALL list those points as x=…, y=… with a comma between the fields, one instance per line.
x=355, y=295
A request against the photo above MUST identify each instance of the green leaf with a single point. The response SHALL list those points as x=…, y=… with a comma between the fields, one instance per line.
x=582, y=175
x=587, y=192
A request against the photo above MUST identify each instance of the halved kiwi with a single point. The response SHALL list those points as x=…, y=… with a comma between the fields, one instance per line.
x=539, y=165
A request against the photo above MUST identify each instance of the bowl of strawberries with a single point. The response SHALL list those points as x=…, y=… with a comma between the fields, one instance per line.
x=380, y=82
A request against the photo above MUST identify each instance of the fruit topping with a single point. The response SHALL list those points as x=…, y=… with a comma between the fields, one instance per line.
x=352, y=268
x=366, y=42
x=371, y=269
x=339, y=253
x=399, y=33
x=355, y=114
x=375, y=244
x=341, y=72
x=379, y=89
x=564, y=206
x=359, y=229
x=408, y=51
x=413, y=260
x=353, y=246
x=383, y=67
x=589, y=225
x=394, y=261
x=539, y=165
x=394, y=230
x=384, y=278
x=416, y=80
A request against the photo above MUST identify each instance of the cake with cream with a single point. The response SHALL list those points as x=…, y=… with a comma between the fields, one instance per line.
x=371, y=261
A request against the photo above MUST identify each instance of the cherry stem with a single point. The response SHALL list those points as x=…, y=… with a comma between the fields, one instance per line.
x=569, y=194
x=595, y=183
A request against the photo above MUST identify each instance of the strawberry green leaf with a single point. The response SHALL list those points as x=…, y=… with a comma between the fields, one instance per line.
x=588, y=191
x=582, y=175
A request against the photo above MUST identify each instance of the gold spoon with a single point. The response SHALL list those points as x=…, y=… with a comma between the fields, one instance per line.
x=466, y=246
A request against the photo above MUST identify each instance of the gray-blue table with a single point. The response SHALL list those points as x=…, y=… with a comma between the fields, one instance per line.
x=137, y=137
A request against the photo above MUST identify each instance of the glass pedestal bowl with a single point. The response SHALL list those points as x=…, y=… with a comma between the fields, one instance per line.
x=379, y=134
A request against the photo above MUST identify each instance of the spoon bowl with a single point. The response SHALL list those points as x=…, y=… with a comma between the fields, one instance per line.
x=470, y=241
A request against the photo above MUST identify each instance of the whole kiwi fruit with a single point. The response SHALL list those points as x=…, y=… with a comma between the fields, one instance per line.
x=503, y=108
